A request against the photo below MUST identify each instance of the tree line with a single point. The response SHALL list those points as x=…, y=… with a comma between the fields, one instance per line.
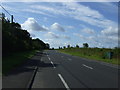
x=85, y=45
x=15, y=39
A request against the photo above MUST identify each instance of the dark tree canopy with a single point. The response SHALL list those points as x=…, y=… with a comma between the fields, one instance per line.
x=85, y=45
x=77, y=46
x=15, y=39
x=68, y=46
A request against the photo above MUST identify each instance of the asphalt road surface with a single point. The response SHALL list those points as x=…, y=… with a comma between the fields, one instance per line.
x=58, y=70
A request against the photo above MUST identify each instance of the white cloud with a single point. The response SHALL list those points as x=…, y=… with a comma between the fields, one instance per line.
x=66, y=37
x=33, y=35
x=45, y=19
x=52, y=35
x=60, y=1
x=69, y=27
x=88, y=31
x=32, y=25
x=79, y=12
x=36, y=11
x=86, y=14
x=51, y=10
x=55, y=43
x=110, y=31
x=58, y=27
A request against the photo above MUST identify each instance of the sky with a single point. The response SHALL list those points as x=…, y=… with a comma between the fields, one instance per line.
x=68, y=23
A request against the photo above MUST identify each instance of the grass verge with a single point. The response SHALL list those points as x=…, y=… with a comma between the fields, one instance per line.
x=15, y=59
x=93, y=57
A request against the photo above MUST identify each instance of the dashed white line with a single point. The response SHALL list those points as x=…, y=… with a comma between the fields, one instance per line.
x=53, y=64
x=87, y=66
x=65, y=84
x=49, y=58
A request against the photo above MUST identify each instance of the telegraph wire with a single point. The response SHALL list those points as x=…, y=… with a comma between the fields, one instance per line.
x=5, y=10
x=8, y=13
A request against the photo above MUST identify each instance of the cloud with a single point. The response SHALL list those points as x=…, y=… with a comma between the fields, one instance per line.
x=36, y=11
x=45, y=19
x=66, y=37
x=52, y=35
x=99, y=40
x=88, y=31
x=32, y=25
x=77, y=11
x=86, y=14
x=33, y=35
x=110, y=31
x=54, y=43
x=69, y=27
x=60, y=1
x=58, y=27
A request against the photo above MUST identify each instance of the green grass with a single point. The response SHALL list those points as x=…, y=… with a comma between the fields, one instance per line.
x=15, y=59
x=92, y=53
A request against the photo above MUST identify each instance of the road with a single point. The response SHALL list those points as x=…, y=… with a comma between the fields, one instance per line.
x=58, y=70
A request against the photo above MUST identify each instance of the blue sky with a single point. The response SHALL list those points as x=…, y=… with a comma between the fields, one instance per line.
x=63, y=23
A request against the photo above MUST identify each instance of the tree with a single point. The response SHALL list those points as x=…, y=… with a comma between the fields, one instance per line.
x=77, y=46
x=53, y=48
x=85, y=45
x=47, y=46
x=15, y=39
x=64, y=47
x=68, y=46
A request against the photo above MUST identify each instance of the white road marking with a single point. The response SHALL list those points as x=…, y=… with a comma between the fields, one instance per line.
x=61, y=56
x=49, y=58
x=53, y=64
x=65, y=84
x=87, y=66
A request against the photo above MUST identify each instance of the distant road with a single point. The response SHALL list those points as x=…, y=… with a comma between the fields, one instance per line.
x=58, y=70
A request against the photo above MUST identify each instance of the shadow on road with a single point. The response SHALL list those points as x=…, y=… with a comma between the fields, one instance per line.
x=43, y=64
x=29, y=65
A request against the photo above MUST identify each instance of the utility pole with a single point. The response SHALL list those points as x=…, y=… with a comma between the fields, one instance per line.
x=11, y=18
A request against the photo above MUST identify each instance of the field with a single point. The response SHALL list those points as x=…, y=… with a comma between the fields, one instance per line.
x=100, y=54
x=14, y=59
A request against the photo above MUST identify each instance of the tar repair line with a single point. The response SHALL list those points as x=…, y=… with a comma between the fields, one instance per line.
x=65, y=84
x=87, y=66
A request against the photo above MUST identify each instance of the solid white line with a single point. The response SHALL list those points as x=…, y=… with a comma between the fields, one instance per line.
x=65, y=84
x=87, y=66
x=53, y=64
